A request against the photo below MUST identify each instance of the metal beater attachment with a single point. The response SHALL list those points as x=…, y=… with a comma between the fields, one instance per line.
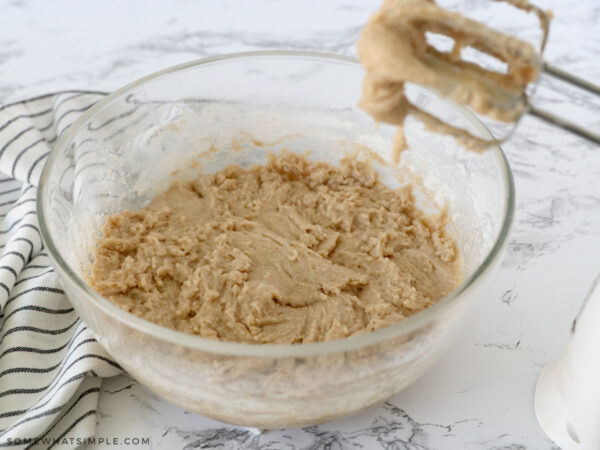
x=394, y=50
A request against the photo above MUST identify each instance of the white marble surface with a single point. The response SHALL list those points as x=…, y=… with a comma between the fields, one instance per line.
x=480, y=395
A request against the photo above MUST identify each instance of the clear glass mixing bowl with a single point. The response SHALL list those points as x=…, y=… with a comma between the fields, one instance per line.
x=234, y=109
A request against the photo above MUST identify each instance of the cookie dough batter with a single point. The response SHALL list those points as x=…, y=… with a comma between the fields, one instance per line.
x=290, y=252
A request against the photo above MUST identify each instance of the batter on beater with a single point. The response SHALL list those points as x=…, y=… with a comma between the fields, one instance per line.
x=393, y=49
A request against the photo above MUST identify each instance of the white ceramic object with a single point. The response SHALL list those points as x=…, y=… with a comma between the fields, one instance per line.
x=567, y=397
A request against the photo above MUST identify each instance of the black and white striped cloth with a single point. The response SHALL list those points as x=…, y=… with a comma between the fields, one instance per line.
x=51, y=367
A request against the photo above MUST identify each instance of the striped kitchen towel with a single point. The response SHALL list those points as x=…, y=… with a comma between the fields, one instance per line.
x=51, y=367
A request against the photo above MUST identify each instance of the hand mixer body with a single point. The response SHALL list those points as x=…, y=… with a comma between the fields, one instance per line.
x=567, y=397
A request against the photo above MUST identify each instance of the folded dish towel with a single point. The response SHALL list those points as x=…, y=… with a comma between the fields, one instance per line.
x=51, y=367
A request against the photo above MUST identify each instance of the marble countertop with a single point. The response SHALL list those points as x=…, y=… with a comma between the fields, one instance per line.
x=480, y=394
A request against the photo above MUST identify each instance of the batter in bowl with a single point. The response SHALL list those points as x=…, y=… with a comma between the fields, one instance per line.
x=290, y=252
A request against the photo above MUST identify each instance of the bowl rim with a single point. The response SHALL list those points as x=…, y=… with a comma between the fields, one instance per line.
x=196, y=342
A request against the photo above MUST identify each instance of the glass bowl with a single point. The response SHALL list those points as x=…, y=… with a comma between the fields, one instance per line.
x=234, y=109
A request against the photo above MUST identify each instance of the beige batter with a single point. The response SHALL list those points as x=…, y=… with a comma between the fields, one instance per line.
x=393, y=49
x=291, y=252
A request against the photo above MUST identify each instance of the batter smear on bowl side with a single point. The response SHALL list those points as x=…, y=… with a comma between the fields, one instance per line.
x=289, y=252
